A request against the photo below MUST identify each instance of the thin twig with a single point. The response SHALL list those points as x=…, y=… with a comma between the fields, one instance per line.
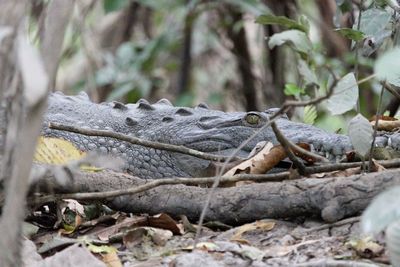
x=283, y=141
x=330, y=225
x=141, y=142
x=376, y=126
x=391, y=89
x=307, y=153
x=357, y=44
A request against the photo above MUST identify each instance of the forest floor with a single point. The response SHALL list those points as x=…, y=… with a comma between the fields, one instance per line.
x=120, y=239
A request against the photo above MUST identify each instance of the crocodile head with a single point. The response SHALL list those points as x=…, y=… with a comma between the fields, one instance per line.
x=222, y=133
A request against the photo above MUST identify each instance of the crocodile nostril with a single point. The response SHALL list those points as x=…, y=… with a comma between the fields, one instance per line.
x=130, y=122
x=167, y=119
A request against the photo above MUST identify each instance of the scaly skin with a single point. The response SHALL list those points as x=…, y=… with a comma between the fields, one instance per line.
x=199, y=128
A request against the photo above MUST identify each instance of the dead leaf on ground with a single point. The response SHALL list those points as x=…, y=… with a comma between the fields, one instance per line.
x=102, y=249
x=111, y=259
x=145, y=242
x=366, y=247
x=105, y=234
x=376, y=167
x=164, y=221
x=205, y=246
x=283, y=250
x=345, y=173
x=73, y=214
x=258, y=225
x=135, y=236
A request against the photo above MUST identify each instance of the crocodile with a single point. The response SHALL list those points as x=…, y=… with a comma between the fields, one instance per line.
x=199, y=128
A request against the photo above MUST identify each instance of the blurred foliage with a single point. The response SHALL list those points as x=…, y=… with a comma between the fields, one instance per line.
x=146, y=61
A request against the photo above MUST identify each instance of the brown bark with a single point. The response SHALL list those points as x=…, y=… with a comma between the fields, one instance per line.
x=241, y=51
x=336, y=45
x=276, y=58
x=186, y=57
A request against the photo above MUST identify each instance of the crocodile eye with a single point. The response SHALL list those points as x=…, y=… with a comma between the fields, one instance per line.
x=252, y=118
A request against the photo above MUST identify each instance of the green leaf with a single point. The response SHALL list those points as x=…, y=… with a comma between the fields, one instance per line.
x=373, y=21
x=100, y=249
x=345, y=95
x=383, y=210
x=308, y=75
x=297, y=39
x=310, y=114
x=351, y=34
x=281, y=20
x=387, y=67
x=375, y=24
x=360, y=133
x=303, y=20
x=292, y=89
x=114, y=5
x=120, y=91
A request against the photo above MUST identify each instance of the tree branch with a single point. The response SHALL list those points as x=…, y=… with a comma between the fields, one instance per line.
x=138, y=141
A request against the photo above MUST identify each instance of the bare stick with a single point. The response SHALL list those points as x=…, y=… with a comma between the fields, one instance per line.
x=283, y=141
x=306, y=152
x=378, y=109
x=391, y=89
x=138, y=141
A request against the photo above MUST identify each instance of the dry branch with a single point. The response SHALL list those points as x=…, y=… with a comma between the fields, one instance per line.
x=141, y=142
x=330, y=198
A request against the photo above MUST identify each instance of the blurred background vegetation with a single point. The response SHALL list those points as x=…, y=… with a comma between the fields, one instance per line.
x=217, y=52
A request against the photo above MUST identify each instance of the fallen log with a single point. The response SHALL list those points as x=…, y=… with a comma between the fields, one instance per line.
x=330, y=198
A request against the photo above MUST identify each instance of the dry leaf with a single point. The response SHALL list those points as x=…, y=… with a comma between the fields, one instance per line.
x=136, y=236
x=111, y=259
x=260, y=163
x=376, y=167
x=386, y=125
x=258, y=225
x=105, y=234
x=52, y=150
x=344, y=173
x=164, y=221
x=366, y=247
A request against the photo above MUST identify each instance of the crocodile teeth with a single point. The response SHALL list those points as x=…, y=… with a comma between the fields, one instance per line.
x=327, y=154
x=312, y=149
